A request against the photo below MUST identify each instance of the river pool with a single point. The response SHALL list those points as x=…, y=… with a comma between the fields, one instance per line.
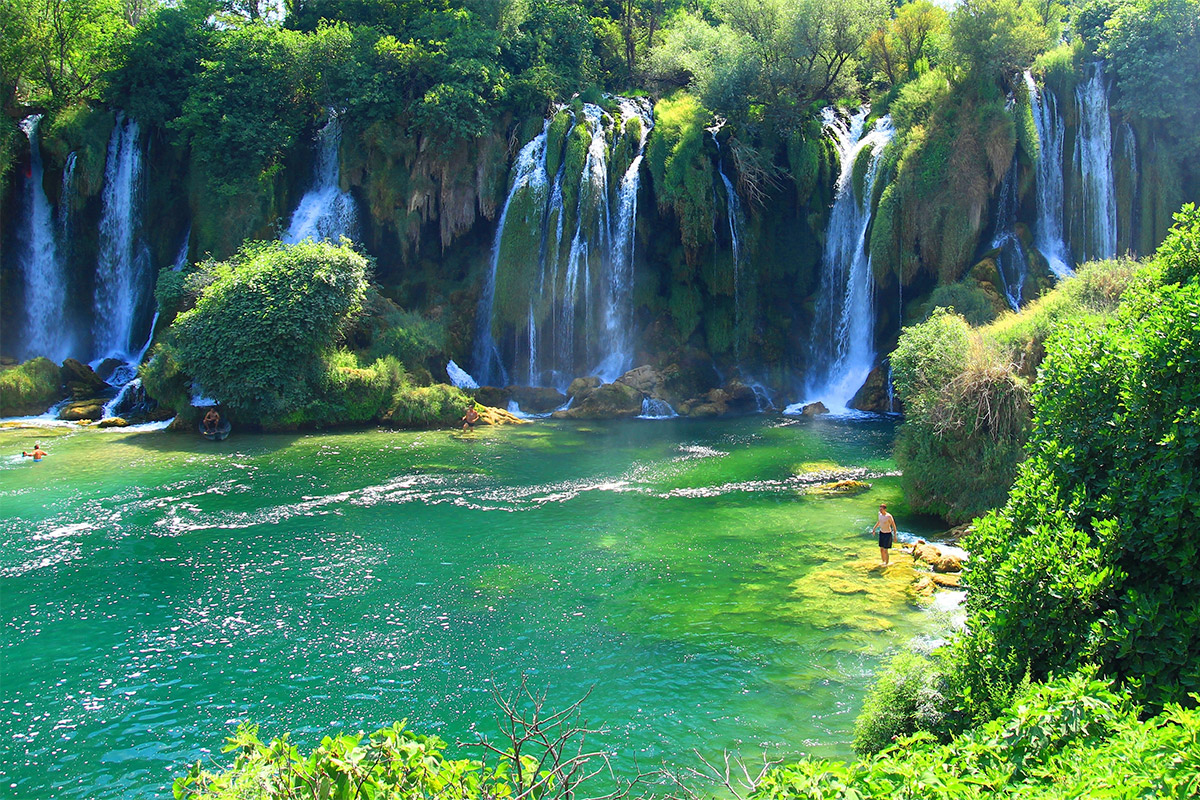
x=158, y=588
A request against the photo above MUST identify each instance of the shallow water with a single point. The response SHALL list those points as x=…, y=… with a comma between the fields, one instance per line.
x=158, y=588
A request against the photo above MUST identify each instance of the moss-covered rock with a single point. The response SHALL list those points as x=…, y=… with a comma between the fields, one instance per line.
x=81, y=381
x=30, y=388
x=610, y=401
x=91, y=410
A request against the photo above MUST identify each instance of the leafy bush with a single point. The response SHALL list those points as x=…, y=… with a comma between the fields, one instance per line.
x=30, y=388
x=906, y=698
x=967, y=413
x=1179, y=254
x=258, y=334
x=966, y=299
x=1073, y=737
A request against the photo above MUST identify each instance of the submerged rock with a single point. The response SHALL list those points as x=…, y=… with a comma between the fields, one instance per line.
x=847, y=488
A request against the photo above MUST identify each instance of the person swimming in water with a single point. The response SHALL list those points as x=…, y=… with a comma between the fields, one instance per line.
x=38, y=453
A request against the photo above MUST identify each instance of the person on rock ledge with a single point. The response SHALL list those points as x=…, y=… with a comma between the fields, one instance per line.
x=37, y=455
x=887, y=529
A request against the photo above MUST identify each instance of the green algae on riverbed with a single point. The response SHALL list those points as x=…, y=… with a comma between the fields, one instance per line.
x=159, y=587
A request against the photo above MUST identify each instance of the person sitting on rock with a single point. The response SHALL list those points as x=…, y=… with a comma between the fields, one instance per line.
x=212, y=421
x=38, y=453
x=470, y=418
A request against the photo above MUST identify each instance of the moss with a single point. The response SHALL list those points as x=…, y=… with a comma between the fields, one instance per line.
x=858, y=174
x=556, y=137
x=520, y=256
x=682, y=168
x=578, y=142
x=30, y=388
x=85, y=131
x=1059, y=69
x=804, y=154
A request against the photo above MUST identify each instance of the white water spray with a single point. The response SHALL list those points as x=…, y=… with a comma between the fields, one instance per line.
x=325, y=211
x=1048, y=229
x=40, y=264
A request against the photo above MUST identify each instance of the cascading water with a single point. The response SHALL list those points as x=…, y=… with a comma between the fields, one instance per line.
x=842, y=348
x=618, y=300
x=529, y=175
x=40, y=264
x=733, y=214
x=325, y=211
x=123, y=267
x=1093, y=165
x=576, y=302
x=1011, y=261
x=1048, y=229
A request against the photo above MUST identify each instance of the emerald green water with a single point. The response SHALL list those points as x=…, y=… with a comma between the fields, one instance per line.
x=158, y=588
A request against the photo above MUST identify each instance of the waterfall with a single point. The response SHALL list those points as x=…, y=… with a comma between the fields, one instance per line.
x=565, y=246
x=1048, y=229
x=123, y=266
x=181, y=258
x=325, y=211
x=733, y=214
x=66, y=199
x=41, y=265
x=1093, y=165
x=618, y=301
x=529, y=174
x=842, y=346
x=1011, y=260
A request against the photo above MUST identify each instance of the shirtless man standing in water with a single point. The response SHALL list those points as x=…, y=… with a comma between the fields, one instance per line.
x=887, y=529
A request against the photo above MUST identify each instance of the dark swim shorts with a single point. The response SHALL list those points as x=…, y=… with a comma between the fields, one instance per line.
x=885, y=539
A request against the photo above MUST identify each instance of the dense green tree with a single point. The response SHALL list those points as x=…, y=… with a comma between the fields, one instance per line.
x=1153, y=47
x=57, y=51
x=902, y=49
x=997, y=39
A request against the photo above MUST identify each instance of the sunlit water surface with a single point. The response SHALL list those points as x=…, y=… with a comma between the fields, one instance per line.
x=158, y=588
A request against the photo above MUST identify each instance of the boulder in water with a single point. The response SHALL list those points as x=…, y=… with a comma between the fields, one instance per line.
x=848, y=488
x=873, y=394
x=81, y=380
x=814, y=409
x=646, y=379
x=489, y=415
x=91, y=410
x=610, y=401
x=580, y=387
x=740, y=398
x=112, y=422
x=536, y=399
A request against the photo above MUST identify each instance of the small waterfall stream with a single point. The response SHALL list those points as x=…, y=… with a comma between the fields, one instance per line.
x=733, y=214
x=1011, y=260
x=1048, y=229
x=41, y=265
x=1093, y=165
x=123, y=267
x=325, y=211
x=842, y=348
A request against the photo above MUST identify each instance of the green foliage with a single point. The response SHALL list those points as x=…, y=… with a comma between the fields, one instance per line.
x=1179, y=254
x=159, y=66
x=1073, y=737
x=967, y=414
x=247, y=107
x=415, y=340
x=681, y=168
x=906, y=698
x=257, y=337
x=919, y=99
x=909, y=44
x=770, y=58
x=169, y=291
x=996, y=39
x=392, y=762
x=29, y=388
x=1153, y=46
x=84, y=130
x=966, y=298
x=55, y=53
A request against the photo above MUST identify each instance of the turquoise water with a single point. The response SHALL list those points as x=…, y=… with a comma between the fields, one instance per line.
x=158, y=588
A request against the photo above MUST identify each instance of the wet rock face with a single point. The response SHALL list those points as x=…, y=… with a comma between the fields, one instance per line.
x=81, y=380
x=873, y=396
x=91, y=409
x=536, y=399
x=493, y=396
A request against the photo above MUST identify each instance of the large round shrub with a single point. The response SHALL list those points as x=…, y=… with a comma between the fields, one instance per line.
x=260, y=334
